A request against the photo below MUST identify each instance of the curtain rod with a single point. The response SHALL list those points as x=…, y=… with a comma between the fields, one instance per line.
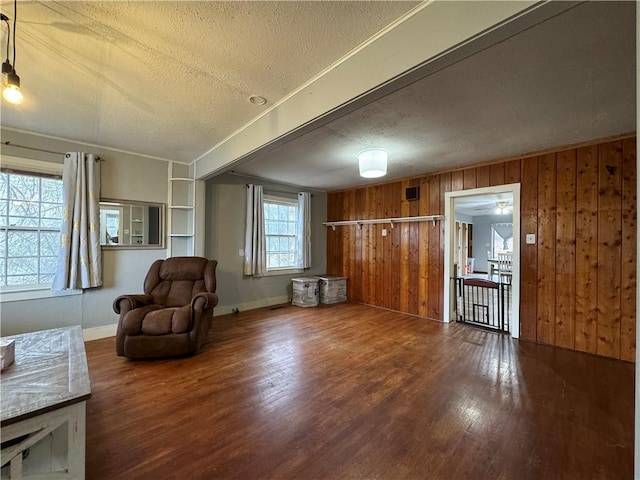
x=9, y=144
x=32, y=148
x=270, y=190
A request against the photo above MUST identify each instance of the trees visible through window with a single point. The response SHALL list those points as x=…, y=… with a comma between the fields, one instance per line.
x=30, y=218
x=281, y=227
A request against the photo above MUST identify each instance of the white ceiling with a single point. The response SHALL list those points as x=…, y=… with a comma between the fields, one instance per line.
x=171, y=80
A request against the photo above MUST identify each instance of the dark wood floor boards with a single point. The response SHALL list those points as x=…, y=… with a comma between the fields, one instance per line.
x=351, y=391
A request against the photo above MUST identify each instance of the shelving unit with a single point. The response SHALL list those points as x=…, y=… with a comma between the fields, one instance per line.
x=137, y=225
x=390, y=221
x=182, y=207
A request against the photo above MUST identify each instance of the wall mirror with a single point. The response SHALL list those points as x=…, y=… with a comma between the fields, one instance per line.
x=128, y=224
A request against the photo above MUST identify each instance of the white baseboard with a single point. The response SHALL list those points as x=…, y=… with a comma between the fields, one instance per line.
x=96, y=333
x=263, y=302
x=105, y=331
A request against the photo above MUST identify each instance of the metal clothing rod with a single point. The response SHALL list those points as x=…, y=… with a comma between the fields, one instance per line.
x=390, y=221
x=32, y=148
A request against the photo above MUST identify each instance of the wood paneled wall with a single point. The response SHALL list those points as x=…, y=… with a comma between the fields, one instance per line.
x=577, y=283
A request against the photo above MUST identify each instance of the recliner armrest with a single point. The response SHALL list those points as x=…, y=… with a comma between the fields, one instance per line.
x=124, y=303
x=203, y=301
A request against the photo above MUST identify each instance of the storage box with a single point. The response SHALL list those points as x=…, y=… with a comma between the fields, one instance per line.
x=333, y=289
x=305, y=291
x=7, y=353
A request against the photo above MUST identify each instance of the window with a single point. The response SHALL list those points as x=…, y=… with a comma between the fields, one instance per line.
x=281, y=227
x=30, y=218
x=501, y=239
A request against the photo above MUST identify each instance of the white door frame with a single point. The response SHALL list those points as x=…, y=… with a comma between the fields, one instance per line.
x=449, y=198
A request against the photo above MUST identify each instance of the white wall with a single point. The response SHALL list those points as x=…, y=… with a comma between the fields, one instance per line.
x=225, y=224
x=125, y=177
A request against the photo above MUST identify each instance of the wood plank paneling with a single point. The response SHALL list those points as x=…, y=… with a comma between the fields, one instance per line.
x=435, y=280
x=469, y=175
x=586, y=280
x=497, y=174
x=577, y=283
x=512, y=172
x=565, y=249
x=457, y=181
x=483, y=176
x=423, y=289
x=546, y=248
x=528, y=253
x=609, y=242
x=629, y=251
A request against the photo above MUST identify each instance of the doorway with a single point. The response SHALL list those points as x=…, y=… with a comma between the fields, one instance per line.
x=469, y=253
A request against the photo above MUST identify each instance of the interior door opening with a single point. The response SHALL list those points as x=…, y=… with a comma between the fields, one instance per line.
x=482, y=240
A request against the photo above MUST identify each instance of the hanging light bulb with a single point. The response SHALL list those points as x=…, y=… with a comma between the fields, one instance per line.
x=11, y=92
x=10, y=79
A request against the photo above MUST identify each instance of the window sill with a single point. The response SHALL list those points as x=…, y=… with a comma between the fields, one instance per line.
x=34, y=293
x=284, y=271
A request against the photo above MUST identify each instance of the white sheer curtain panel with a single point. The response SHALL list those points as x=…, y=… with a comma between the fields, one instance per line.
x=304, y=230
x=255, y=261
x=80, y=257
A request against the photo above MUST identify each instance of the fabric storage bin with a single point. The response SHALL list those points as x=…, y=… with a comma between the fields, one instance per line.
x=333, y=289
x=305, y=291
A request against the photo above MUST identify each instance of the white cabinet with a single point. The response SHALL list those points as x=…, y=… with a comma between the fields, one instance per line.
x=186, y=197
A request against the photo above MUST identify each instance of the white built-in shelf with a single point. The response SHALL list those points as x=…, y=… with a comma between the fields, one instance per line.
x=181, y=179
x=391, y=221
x=182, y=210
x=181, y=234
x=182, y=207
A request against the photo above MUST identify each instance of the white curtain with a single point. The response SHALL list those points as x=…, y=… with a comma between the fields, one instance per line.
x=255, y=262
x=80, y=257
x=304, y=230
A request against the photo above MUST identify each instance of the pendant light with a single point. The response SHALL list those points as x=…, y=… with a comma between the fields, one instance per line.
x=373, y=162
x=10, y=79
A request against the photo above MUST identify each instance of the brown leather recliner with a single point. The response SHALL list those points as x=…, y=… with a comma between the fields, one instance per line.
x=174, y=315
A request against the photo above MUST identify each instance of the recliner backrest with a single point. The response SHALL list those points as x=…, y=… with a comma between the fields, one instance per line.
x=174, y=282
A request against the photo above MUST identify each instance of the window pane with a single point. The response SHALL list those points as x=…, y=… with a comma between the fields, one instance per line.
x=46, y=278
x=49, y=243
x=22, y=280
x=3, y=245
x=293, y=244
x=291, y=228
x=18, y=208
x=48, y=265
x=282, y=213
x=22, y=266
x=51, y=190
x=24, y=188
x=4, y=208
x=273, y=212
x=22, y=244
x=51, y=211
x=4, y=185
x=272, y=260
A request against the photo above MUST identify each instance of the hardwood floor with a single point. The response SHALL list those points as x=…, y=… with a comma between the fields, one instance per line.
x=350, y=391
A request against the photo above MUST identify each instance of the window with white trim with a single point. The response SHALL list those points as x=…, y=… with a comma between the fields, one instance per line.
x=281, y=232
x=30, y=219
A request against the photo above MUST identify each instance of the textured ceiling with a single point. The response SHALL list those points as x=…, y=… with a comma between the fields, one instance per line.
x=569, y=79
x=171, y=79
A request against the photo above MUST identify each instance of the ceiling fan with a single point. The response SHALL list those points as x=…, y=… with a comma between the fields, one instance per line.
x=499, y=207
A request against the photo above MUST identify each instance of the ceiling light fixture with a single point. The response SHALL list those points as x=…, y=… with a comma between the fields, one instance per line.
x=373, y=162
x=10, y=79
x=502, y=208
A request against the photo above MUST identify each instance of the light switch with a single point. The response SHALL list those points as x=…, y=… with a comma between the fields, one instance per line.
x=384, y=232
x=241, y=252
x=531, y=239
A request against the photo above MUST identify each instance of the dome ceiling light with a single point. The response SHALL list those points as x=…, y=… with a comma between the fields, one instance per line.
x=373, y=162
